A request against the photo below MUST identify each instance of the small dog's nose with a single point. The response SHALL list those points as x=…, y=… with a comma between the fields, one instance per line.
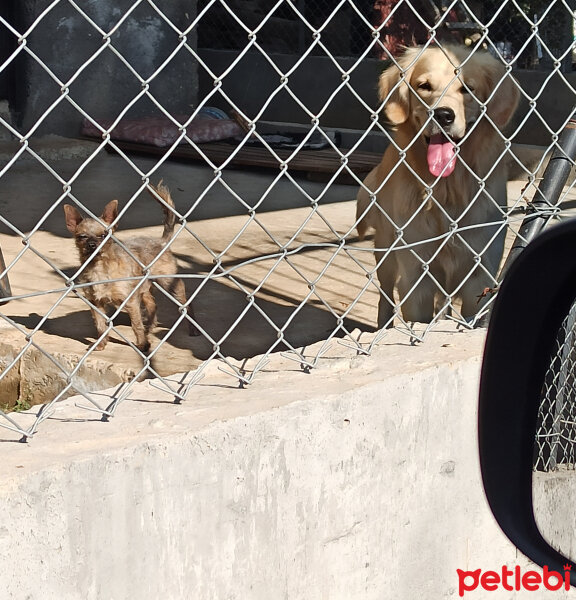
x=444, y=116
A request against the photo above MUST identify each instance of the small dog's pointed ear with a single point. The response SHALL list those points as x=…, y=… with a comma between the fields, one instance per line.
x=73, y=218
x=110, y=212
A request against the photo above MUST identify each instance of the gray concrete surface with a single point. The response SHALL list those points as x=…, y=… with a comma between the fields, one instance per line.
x=94, y=70
x=554, y=500
x=359, y=480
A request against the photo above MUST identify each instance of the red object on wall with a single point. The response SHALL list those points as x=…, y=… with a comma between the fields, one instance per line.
x=401, y=26
x=408, y=24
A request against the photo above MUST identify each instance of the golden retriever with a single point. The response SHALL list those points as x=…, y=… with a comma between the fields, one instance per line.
x=434, y=199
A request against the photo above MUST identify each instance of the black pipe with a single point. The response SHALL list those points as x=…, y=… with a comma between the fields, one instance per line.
x=548, y=192
x=5, y=291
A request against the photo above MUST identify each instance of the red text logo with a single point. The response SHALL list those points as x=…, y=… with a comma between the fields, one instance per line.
x=513, y=580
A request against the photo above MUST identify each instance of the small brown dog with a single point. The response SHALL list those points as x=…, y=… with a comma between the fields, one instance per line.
x=119, y=272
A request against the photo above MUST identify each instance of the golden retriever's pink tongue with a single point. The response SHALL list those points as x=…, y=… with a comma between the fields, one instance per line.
x=441, y=159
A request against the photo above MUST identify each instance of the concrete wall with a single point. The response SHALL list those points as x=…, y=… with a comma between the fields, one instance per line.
x=357, y=481
x=554, y=501
x=65, y=41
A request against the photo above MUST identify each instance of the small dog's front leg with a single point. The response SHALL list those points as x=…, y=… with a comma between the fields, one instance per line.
x=179, y=292
x=100, y=322
x=150, y=309
x=133, y=310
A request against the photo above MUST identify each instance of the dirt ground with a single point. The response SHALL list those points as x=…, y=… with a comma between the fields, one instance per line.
x=242, y=223
x=52, y=318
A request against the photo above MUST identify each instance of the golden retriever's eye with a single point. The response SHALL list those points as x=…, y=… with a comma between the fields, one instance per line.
x=466, y=89
x=424, y=86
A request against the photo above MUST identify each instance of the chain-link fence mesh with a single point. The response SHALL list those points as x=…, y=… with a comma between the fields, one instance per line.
x=556, y=434
x=258, y=253
x=532, y=34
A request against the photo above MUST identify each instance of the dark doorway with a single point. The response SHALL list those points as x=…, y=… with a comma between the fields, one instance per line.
x=8, y=44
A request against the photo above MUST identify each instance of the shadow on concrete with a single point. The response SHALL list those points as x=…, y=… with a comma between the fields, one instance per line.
x=31, y=195
x=224, y=314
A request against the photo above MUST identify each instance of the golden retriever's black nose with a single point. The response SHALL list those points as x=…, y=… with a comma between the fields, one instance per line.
x=444, y=116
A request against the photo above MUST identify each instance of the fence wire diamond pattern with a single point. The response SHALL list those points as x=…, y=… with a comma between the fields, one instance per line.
x=290, y=275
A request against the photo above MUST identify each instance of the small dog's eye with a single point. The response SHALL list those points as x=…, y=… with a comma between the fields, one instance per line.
x=425, y=86
x=82, y=236
x=466, y=89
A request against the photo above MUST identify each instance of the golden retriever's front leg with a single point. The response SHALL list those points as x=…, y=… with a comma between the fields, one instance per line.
x=416, y=295
x=484, y=276
x=387, y=274
x=474, y=294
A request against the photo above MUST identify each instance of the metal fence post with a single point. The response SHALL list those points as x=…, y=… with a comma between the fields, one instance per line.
x=5, y=291
x=547, y=195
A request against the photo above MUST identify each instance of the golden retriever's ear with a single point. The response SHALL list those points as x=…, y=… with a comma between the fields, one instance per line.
x=504, y=94
x=505, y=101
x=394, y=93
x=394, y=86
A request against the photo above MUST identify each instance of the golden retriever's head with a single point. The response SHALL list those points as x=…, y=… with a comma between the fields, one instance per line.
x=443, y=92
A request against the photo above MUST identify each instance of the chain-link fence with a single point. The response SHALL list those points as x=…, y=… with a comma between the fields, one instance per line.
x=262, y=120
x=556, y=434
x=532, y=34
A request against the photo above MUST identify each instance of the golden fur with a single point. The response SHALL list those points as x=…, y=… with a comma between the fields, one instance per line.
x=112, y=262
x=413, y=205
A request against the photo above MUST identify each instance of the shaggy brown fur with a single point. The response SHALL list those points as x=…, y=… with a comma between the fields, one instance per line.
x=107, y=261
x=441, y=183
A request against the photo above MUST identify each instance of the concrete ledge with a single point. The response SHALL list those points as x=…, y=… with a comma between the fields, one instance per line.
x=33, y=377
x=357, y=481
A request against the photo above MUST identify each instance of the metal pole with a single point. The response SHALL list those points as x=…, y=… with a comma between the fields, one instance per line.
x=548, y=192
x=545, y=199
x=5, y=291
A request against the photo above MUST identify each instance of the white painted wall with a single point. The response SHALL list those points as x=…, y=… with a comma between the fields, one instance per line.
x=357, y=481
